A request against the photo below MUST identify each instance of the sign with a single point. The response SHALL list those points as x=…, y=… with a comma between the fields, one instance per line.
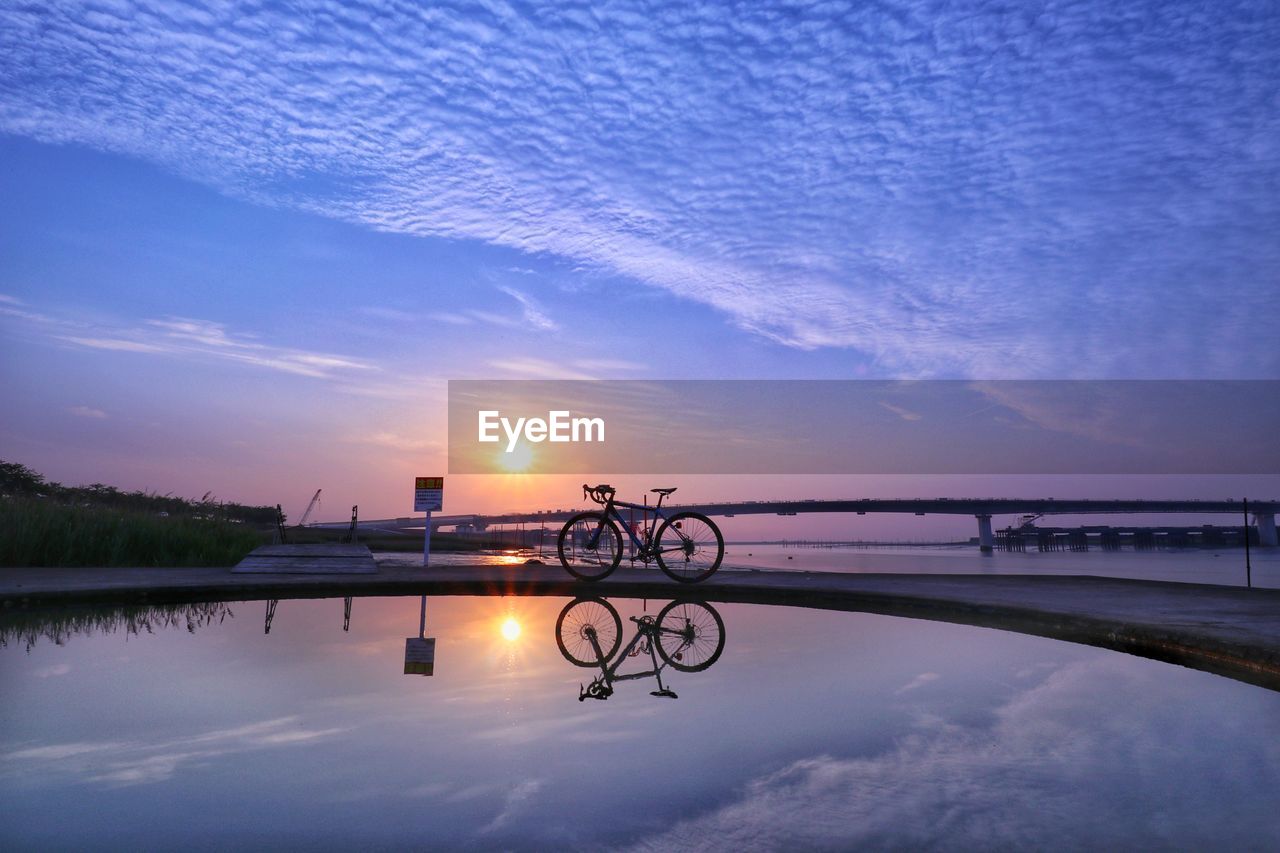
x=428, y=494
x=420, y=656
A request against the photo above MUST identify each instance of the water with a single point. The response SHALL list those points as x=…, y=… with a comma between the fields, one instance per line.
x=812, y=729
x=1221, y=566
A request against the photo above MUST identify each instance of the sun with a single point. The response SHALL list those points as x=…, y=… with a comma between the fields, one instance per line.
x=510, y=630
x=518, y=460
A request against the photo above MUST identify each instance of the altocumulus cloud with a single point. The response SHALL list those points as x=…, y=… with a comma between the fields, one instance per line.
x=1058, y=188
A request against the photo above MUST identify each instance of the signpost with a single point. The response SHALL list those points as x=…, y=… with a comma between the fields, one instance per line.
x=420, y=651
x=428, y=496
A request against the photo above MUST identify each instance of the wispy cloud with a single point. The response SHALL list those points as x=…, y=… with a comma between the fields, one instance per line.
x=963, y=189
x=916, y=683
x=183, y=337
x=395, y=441
x=609, y=365
x=87, y=412
x=53, y=671
x=533, y=314
x=12, y=306
x=905, y=414
x=121, y=763
x=118, y=344
x=531, y=317
x=516, y=801
x=528, y=367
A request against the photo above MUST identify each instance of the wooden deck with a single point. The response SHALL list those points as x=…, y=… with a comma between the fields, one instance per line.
x=308, y=560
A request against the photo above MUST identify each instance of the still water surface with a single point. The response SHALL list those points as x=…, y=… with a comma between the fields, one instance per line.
x=811, y=729
x=1224, y=566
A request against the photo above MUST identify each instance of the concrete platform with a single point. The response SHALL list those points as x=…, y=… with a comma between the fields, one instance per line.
x=309, y=560
x=1225, y=630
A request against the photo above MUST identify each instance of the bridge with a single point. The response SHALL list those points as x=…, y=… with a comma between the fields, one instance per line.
x=982, y=509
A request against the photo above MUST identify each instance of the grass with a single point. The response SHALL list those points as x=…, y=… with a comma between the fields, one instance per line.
x=41, y=532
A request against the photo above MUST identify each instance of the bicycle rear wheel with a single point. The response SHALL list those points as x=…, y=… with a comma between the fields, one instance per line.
x=578, y=620
x=690, y=635
x=576, y=554
x=689, y=547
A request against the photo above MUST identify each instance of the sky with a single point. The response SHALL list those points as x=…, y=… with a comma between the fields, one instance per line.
x=243, y=246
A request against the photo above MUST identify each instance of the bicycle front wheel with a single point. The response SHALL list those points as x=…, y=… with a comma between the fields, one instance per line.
x=689, y=547
x=690, y=635
x=582, y=619
x=590, y=546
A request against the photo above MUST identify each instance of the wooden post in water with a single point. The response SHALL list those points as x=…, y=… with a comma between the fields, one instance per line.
x=1248, y=567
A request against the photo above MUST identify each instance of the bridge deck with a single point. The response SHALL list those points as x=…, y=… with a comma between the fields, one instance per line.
x=1226, y=630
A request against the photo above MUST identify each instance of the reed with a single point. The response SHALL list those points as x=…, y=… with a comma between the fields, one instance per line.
x=58, y=626
x=41, y=532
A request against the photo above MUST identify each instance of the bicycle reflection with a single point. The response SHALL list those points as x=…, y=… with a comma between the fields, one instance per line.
x=687, y=636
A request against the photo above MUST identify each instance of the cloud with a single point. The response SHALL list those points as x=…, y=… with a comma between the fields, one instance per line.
x=116, y=344
x=516, y=801
x=607, y=365
x=395, y=441
x=1100, y=756
x=122, y=763
x=919, y=681
x=184, y=337
x=528, y=367
x=87, y=412
x=905, y=414
x=970, y=189
x=533, y=314
x=53, y=671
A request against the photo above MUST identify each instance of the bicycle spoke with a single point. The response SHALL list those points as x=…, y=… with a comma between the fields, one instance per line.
x=691, y=635
x=579, y=620
x=583, y=557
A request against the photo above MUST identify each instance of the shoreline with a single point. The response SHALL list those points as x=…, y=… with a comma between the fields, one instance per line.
x=1227, y=631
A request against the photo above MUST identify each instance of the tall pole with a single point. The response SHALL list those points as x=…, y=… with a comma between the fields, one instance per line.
x=426, y=543
x=1248, y=567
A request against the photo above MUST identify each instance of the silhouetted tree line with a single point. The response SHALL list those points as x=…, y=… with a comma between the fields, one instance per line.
x=18, y=480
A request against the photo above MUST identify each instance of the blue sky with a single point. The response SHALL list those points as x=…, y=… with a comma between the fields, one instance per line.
x=245, y=244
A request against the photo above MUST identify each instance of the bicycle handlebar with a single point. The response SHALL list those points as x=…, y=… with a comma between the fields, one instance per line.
x=599, y=494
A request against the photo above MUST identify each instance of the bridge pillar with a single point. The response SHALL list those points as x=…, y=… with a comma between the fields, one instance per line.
x=986, y=539
x=1266, y=529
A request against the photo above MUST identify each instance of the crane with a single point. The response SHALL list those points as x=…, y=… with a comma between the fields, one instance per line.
x=315, y=499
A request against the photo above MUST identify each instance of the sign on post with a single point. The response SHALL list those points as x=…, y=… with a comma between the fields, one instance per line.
x=420, y=656
x=428, y=494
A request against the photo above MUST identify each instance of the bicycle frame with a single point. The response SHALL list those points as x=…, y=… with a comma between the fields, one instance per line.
x=642, y=549
x=602, y=686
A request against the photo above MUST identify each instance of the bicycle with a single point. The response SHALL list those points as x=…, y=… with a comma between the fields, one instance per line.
x=687, y=545
x=687, y=635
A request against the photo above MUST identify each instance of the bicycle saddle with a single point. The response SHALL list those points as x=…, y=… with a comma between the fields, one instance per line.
x=665, y=694
x=664, y=491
